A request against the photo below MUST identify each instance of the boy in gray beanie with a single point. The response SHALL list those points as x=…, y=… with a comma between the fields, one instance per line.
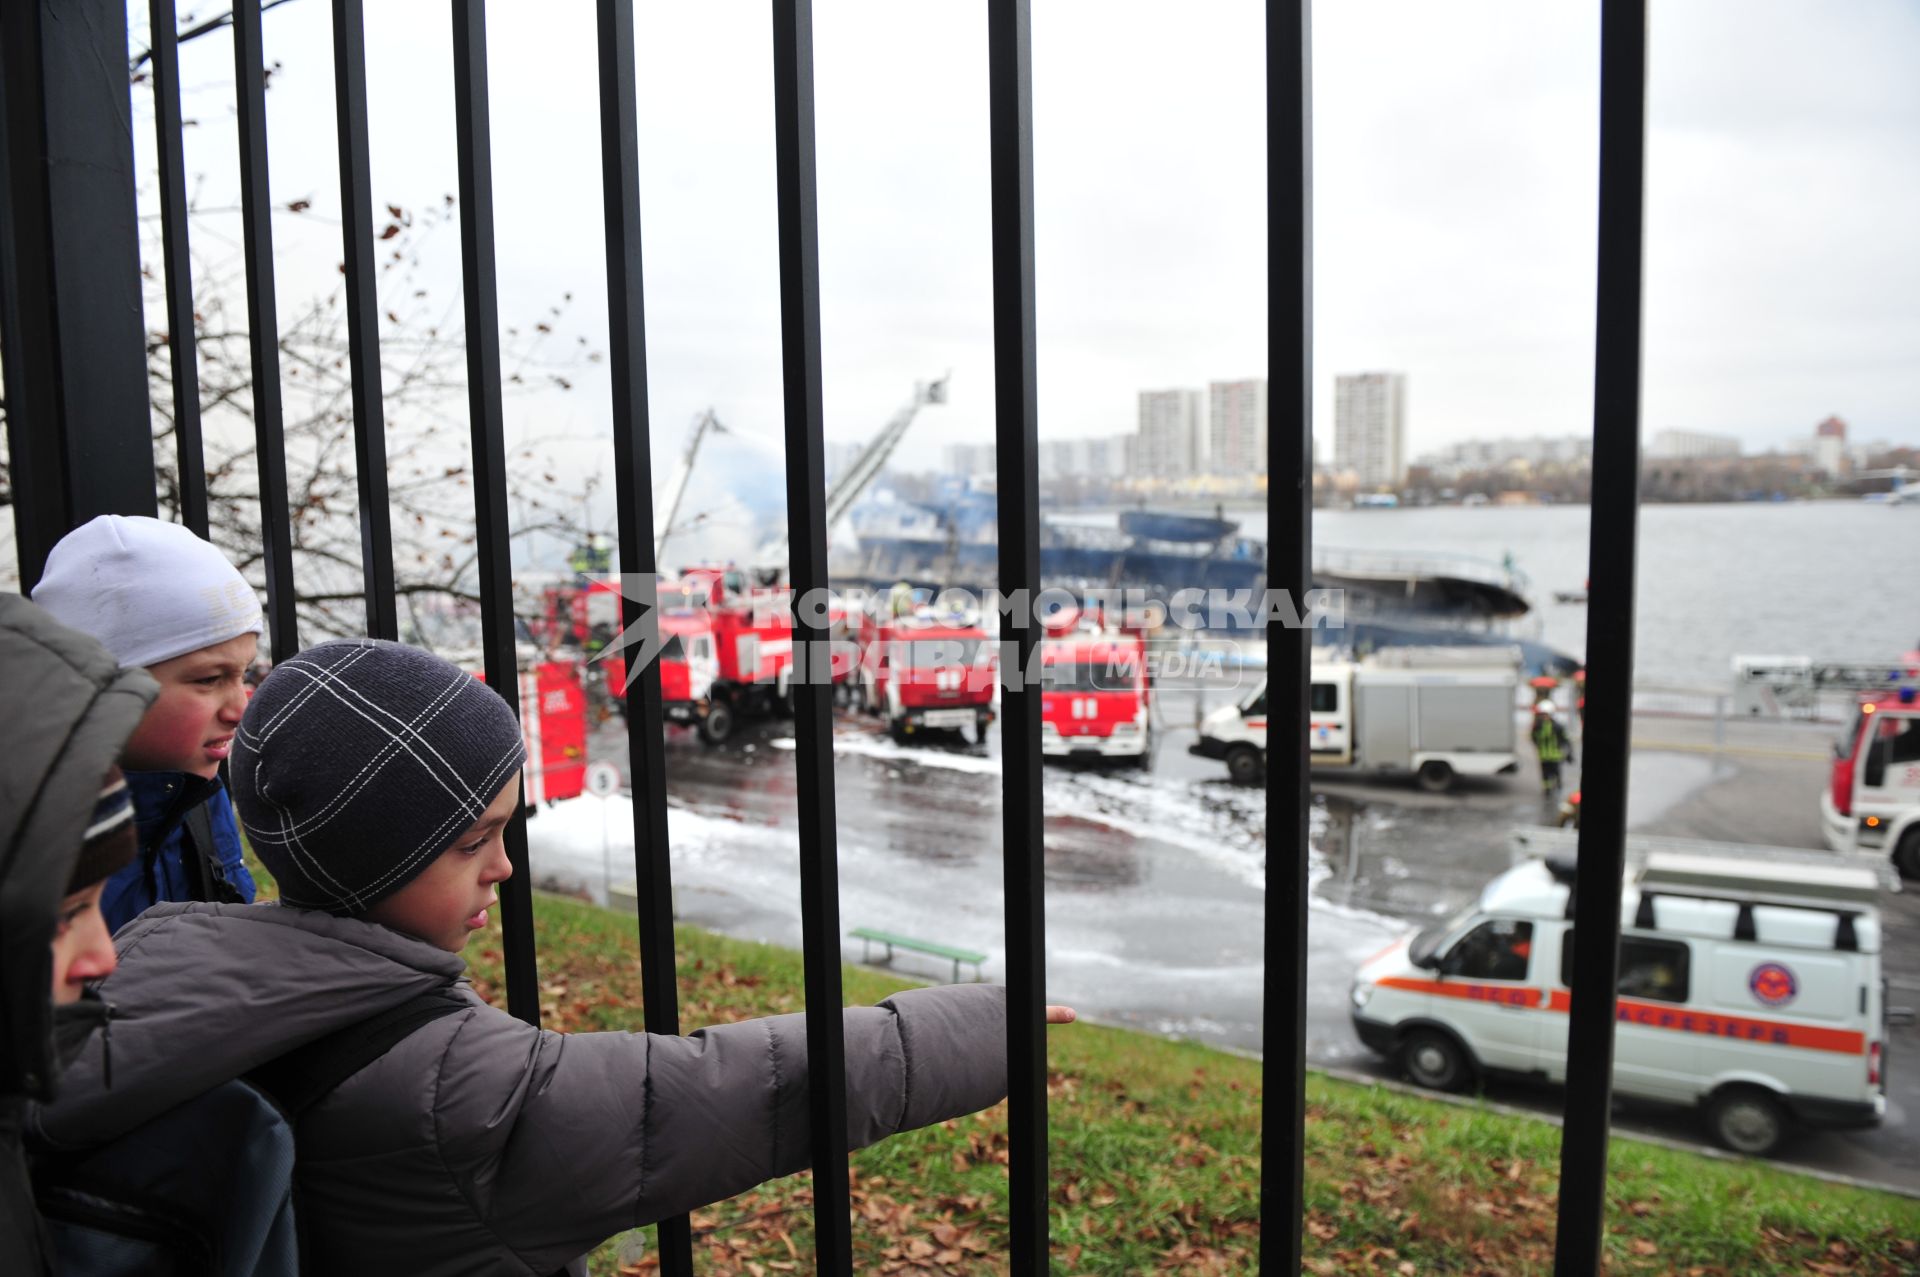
x=376, y=782
x=163, y=600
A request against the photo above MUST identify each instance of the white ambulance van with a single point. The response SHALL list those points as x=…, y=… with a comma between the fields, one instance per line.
x=1748, y=988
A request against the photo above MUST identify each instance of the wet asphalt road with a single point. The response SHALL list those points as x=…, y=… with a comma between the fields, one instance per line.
x=1154, y=900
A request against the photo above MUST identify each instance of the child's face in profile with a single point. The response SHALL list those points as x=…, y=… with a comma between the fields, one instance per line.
x=190, y=725
x=448, y=902
x=82, y=947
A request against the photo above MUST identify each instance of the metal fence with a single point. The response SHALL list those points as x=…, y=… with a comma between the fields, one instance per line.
x=76, y=388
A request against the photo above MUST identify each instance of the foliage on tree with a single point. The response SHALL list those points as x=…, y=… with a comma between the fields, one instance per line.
x=424, y=388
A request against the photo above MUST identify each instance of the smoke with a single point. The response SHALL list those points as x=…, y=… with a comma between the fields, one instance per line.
x=735, y=502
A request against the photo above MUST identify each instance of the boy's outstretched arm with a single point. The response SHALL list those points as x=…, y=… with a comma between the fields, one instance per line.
x=606, y=1131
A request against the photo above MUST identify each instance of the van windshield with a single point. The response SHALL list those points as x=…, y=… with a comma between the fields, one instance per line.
x=1428, y=938
x=1844, y=742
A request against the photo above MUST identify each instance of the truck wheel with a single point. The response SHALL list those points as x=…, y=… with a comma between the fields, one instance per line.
x=898, y=730
x=1747, y=1120
x=718, y=724
x=1906, y=857
x=1435, y=776
x=1244, y=765
x=1435, y=1060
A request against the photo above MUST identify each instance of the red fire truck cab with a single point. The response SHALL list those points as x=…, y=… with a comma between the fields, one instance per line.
x=689, y=670
x=728, y=650
x=925, y=672
x=1096, y=700
x=1872, y=800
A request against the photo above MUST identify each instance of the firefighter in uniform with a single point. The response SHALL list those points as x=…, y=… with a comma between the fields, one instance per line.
x=1550, y=745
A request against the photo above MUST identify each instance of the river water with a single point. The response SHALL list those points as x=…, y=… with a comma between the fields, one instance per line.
x=1832, y=580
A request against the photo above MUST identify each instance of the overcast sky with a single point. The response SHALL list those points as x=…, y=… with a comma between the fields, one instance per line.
x=1454, y=204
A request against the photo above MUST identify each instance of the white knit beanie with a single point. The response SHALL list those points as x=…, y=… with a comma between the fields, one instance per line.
x=147, y=589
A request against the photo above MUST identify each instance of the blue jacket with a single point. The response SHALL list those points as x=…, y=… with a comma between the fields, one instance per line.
x=168, y=866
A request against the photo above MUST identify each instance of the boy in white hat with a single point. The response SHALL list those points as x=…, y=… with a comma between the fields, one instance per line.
x=160, y=598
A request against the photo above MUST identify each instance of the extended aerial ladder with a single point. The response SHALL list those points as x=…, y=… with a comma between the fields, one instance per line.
x=667, y=508
x=1768, y=685
x=846, y=492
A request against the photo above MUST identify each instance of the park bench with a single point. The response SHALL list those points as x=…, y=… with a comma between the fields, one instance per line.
x=871, y=936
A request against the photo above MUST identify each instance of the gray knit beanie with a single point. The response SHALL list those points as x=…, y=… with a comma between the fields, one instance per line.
x=359, y=761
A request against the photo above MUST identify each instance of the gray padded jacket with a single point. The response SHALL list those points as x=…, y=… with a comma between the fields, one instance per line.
x=480, y=1144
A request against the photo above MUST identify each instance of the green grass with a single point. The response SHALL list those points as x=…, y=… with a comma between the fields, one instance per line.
x=1154, y=1154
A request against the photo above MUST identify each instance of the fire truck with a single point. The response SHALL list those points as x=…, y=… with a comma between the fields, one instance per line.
x=1872, y=800
x=1096, y=700
x=728, y=649
x=927, y=671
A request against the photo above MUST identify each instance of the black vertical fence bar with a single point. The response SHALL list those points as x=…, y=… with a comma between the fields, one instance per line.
x=1017, y=463
x=12, y=358
x=1289, y=648
x=1611, y=547
x=182, y=354
x=76, y=365
x=633, y=495
x=363, y=316
x=479, y=288
x=263, y=327
x=811, y=686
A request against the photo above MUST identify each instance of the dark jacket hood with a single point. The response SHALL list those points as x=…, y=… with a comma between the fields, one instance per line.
x=69, y=709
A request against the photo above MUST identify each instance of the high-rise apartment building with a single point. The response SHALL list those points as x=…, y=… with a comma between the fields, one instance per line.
x=1370, y=427
x=1101, y=457
x=1173, y=439
x=1237, y=427
x=969, y=460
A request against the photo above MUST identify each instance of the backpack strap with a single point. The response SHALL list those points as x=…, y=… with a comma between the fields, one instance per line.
x=308, y=1074
x=212, y=881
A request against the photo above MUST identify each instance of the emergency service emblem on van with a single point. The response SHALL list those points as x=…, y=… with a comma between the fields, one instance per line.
x=1773, y=984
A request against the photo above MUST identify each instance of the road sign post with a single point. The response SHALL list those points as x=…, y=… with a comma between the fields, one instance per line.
x=603, y=782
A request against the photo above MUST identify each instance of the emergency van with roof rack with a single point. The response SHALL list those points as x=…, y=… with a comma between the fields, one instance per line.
x=1434, y=713
x=1748, y=987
